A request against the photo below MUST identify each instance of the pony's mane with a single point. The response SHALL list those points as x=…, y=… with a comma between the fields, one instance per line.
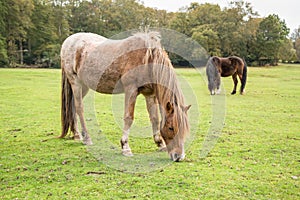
x=152, y=39
x=165, y=80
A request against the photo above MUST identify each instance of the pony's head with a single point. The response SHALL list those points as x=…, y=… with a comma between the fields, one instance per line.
x=174, y=128
x=174, y=124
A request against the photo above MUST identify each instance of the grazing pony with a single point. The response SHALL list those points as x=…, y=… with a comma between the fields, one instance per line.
x=222, y=67
x=135, y=65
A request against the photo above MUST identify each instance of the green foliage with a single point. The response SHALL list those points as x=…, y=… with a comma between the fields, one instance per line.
x=3, y=52
x=296, y=34
x=18, y=23
x=33, y=30
x=297, y=47
x=232, y=31
x=271, y=34
x=256, y=157
x=286, y=51
x=180, y=23
x=208, y=38
x=296, y=40
x=3, y=13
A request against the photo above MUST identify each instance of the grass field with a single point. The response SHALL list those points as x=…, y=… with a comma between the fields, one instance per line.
x=257, y=156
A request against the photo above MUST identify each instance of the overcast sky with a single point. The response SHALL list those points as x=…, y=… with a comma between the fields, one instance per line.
x=288, y=10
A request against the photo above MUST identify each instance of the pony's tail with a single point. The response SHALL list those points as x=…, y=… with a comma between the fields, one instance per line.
x=68, y=112
x=212, y=74
x=244, y=77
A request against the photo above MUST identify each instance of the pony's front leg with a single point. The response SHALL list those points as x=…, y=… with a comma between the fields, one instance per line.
x=152, y=107
x=130, y=99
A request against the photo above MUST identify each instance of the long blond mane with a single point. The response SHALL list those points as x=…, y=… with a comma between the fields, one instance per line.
x=167, y=86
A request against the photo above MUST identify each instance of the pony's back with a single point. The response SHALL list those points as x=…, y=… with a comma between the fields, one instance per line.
x=74, y=45
x=78, y=39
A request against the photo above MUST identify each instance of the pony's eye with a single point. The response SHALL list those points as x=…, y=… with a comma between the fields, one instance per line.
x=171, y=128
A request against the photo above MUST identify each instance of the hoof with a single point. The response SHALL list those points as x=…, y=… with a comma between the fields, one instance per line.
x=127, y=152
x=233, y=92
x=176, y=158
x=87, y=141
x=159, y=141
x=76, y=137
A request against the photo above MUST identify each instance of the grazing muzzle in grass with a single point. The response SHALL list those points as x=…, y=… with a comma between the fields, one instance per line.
x=174, y=128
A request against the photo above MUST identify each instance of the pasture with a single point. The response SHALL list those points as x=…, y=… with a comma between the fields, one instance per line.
x=257, y=156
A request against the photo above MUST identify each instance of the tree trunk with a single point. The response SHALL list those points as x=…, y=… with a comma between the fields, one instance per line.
x=21, y=53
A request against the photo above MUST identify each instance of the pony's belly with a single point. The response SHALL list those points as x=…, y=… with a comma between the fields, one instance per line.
x=110, y=82
x=109, y=86
x=225, y=74
x=103, y=81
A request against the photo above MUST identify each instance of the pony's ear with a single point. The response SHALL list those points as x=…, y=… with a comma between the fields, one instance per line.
x=186, y=108
x=169, y=108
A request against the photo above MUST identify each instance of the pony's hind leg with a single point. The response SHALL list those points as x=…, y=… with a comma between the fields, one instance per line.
x=242, y=84
x=79, y=92
x=152, y=107
x=235, y=81
x=77, y=135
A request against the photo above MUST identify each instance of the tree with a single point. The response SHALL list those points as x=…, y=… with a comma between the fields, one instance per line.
x=295, y=37
x=3, y=47
x=297, y=47
x=3, y=14
x=18, y=23
x=89, y=16
x=232, y=28
x=208, y=38
x=221, y=32
x=42, y=37
x=61, y=14
x=271, y=35
x=287, y=51
x=204, y=14
x=180, y=23
x=249, y=35
x=296, y=34
x=32, y=31
x=3, y=52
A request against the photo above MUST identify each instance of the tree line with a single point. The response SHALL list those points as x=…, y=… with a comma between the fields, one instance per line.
x=32, y=31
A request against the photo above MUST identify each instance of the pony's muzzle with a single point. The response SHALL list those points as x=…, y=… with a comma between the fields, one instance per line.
x=177, y=157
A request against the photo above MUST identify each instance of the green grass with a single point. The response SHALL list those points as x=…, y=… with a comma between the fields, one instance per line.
x=256, y=157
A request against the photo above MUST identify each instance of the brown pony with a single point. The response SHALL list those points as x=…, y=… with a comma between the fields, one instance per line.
x=222, y=67
x=135, y=65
